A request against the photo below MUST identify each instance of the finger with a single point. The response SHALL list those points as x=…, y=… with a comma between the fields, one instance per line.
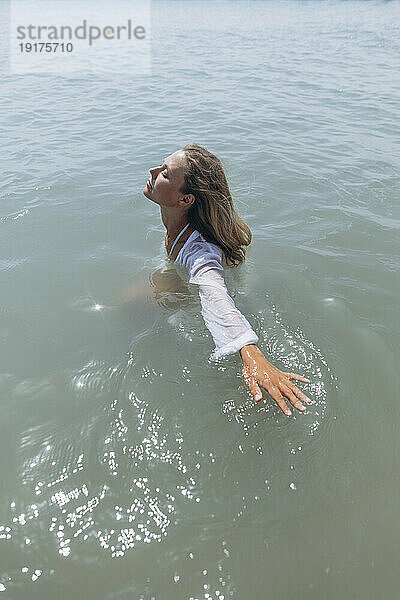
x=279, y=399
x=252, y=383
x=293, y=399
x=297, y=377
x=299, y=393
x=254, y=389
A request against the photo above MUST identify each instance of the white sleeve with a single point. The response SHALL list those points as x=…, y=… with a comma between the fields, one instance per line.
x=228, y=327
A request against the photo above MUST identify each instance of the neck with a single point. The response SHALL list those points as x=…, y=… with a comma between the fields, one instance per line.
x=173, y=222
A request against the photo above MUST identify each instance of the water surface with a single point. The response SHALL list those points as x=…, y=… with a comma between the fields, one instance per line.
x=132, y=466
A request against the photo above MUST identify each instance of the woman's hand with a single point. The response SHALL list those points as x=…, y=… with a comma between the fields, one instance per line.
x=258, y=372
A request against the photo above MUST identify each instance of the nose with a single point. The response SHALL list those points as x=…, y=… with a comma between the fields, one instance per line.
x=154, y=172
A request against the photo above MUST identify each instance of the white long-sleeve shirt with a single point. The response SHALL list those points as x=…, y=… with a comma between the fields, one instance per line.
x=228, y=327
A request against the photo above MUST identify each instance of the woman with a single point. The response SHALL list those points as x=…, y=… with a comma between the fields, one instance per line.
x=203, y=229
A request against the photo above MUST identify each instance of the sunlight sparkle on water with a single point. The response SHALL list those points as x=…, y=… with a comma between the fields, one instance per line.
x=97, y=307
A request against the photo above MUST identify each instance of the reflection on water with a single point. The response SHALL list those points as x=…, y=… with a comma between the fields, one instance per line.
x=145, y=446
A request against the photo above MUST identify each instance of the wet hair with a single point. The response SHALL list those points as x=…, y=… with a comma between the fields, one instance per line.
x=212, y=213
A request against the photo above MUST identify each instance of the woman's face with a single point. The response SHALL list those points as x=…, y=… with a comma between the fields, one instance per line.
x=165, y=182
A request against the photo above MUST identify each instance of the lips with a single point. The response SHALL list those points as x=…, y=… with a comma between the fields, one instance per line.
x=149, y=185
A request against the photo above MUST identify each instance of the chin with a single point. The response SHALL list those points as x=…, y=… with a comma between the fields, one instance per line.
x=146, y=193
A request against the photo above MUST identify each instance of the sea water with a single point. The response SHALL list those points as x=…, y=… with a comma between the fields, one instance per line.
x=132, y=466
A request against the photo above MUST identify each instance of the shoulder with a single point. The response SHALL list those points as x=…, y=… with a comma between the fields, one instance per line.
x=198, y=254
x=197, y=246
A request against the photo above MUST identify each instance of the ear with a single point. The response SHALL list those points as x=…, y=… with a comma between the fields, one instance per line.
x=187, y=200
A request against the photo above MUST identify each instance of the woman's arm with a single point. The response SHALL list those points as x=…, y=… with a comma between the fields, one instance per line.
x=232, y=333
x=259, y=372
x=229, y=328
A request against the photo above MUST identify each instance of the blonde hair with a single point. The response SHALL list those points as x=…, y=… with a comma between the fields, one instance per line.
x=212, y=212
